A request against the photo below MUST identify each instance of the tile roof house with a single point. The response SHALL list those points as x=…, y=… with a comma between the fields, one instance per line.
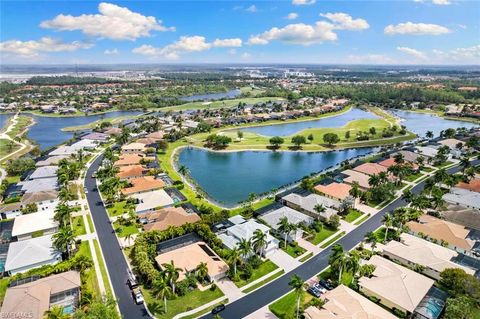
x=39, y=185
x=456, y=236
x=143, y=184
x=354, y=176
x=370, y=168
x=461, y=215
x=411, y=251
x=33, y=225
x=409, y=156
x=133, y=148
x=294, y=217
x=148, y=141
x=166, y=217
x=451, y=142
x=96, y=136
x=344, y=303
x=473, y=185
x=44, y=172
x=51, y=160
x=113, y=131
x=131, y=171
x=464, y=197
x=36, y=297
x=335, y=190
x=31, y=253
x=158, y=135
x=11, y=210
x=307, y=204
x=189, y=257
x=43, y=199
x=396, y=286
x=234, y=234
x=150, y=201
x=130, y=159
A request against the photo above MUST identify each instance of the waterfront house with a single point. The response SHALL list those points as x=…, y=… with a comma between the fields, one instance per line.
x=294, y=217
x=131, y=159
x=188, y=257
x=39, y=185
x=163, y=218
x=51, y=160
x=35, y=297
x=142, y=185
x=307, y=204
x=96, y=136
x=370, y=169
x=356, y=177
x=133, y=148
x=337, y=191
x=149, y=201
x=131, y=171
x=44, y=172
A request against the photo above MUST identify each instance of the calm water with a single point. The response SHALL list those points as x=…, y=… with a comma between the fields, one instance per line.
x=47, y=131
x=212, y=96
x=292, y=128
x=3, y=119
x=230, y=177
x=420, y=123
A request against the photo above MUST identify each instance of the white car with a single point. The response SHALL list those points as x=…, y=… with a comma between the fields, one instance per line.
x=137, y=296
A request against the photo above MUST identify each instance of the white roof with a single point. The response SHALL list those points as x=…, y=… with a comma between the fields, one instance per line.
x=43, y=184
x=294, y=217
x=427, y=151
x=30, y=252
x=63, y=150
x=29, y=223
x=151, y=200
x=309, y=202
x=237, y=219
x=44, y=172
x=83, y=144
x=243, y=231
x=451, y=142
x=52, y=160
x=463, y=197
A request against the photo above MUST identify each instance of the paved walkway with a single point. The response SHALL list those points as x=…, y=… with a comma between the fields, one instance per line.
x=5, y=136
x=262, y=313
x=284, y=260
x=231, y=291
x=305, y=244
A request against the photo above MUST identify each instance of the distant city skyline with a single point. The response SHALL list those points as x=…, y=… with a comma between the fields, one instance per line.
x=422, y=32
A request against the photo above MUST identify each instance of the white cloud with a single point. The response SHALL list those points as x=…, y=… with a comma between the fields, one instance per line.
x=413, y=52
x=306, y=34
x=111, y=52
x=303, y=2
x=33, y=48
x=410, y=28
x=246, y=56
x=112, y=22
x=469, y=55
x=344, y=21
x=370, y=59
x=252, y=8
x=436, y=2
x=186, y=44
x=292, y=16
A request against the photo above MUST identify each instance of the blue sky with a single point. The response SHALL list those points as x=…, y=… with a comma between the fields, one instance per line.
x=294, y=31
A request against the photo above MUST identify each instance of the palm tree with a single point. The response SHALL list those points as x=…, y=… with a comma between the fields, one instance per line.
x=62, y=214
x=172, y=273
x=65, y=195
x=371, y=239
x=340, y=262
x=128, y=238
x=233, y=259
x=429, y=134
x=284, y=227
x=202, y=270
x=374, y=180
x=388, y=222
x=465, y=163
x=319, y=208
x=183, y=170
x=63, y=239
x=355, y=192
x=162, y=290
x=56, y=312
x=399, y=159
x=297, y=284
x=353, y=263
x=259, y=241
x=245, y=247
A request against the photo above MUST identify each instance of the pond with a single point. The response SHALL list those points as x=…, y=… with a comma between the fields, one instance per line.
x=47, y=131
x=292, y=128
x=229, y=177
x=3, y=120
x=420, y=123
x=212, y=96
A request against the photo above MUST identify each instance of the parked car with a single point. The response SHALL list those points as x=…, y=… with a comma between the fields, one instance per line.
x=320, y=288
x=314, y=291
x=132, y=283
x=137, y=296
x=327, y=284
x=218, y=309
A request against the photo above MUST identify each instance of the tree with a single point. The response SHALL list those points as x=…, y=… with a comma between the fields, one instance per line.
x=429, y=134
x=319, y=208
x=62, y=214
x=104, y=308
x=202, y=271
x=296, y=283
x=183, y=170
x=259, y=242
x=310, y=137
x=388, y=222
x=334, y=222
x=19, y=166
x=172, y=273
x=373, y=130
x=298, y=140
x=245, y=248
x=461, y=307
x=29, y=208
x=65, y=194
x=233, y=258
x=355, y=192
x=162, y=290
x=276, y=141
x=63, y=239
x=306, y=183
x=371, y=239
x=285, y=228
x=56, y=312
x=240, y=134
x=338, y=260
x=353, y=263
x=331, y=138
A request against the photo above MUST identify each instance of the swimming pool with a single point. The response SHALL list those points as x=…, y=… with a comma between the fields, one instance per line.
x=431, y=305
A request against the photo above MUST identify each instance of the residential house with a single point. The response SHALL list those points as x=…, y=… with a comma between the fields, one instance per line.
x=39, y=185
x=96, y=136
x=142, y=185
x=51, y=160
x=307, y=204
x=158, y=135
x=131, y=171
x=294, y=217
x=409, y=156
x=34, y=225
x=44, y=172
x=356, y=177
x=36, y=297
x=337, y=191
x=412, y=251
x=166, y=217
x=370, y=169
x=473, y=185
x=11, y=210
x=31, y=253
x=113, y=131
x=188, y=257
x=131, y=159
x=463, y=196
x=44, y=200
x=133, y=148
x=456, y=146
x=149, y=201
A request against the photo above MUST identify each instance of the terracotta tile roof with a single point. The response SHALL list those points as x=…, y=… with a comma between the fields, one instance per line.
x=130, y=159
x=143, y=184
x=370, y=168
x=336, y=190
x=114, y=131
x=388, y=162
x=147, y=140
x=170, y=216
x=354, y=176
x=158, y=135
x=473, y=185
x=131, y=171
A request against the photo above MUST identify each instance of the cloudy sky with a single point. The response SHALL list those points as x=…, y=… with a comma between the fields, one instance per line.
x=293, y=31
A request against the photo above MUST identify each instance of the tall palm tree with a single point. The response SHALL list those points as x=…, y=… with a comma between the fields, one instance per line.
x=63, y=239
x=338, y=260
x=429, y=134
x=355, y=192
x=172, y=273
x=319, y=208
x=202, y=270
x=245, y=248
x=183, y=170
x=465, y=162
x=399, y=159
x=233, y=258
x=162, y=290
x=62, y=214
x=388, y=222
x=65, y=195
x=284, y=227
x=259, y=241
x=297, y=284
x=56, y=312
x=374, y=180
x=353, y=263
x=371, y=239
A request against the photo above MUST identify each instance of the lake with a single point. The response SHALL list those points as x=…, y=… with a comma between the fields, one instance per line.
x=292, y=128
x=420, y=123
x=212, y=96
x=229, y=177
x=47, y=131
x=3, y=120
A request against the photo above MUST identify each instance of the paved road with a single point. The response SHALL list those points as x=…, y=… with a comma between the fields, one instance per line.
x=116, y=263
x=313, y=266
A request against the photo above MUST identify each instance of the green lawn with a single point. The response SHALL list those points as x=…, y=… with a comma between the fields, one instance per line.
x=265, y=268
x=306, y=257
x=123, y=231
x=361, y=220
x=263, y=282
x=352, y=215
x=294, y=251
x=318, y=237
x=78, y=226
x=335, y=238
x=380, y=234
x=91, y=276
x=220, y=104
x=7, y=147
x=190, y=301
x=117, y=209
x=103, y=269
x=285, y=308
x=90, y=223
x=4, y=282
x=412, y=177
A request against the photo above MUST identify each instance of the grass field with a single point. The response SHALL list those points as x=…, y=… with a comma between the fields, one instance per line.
x=265, y=268
x=124, y=231
x=20, y=126
x=102, y=266
x=219, y=104
x=7, y=147
x=294, y=251
x=78, y=226
x=332, y=240
x=321, y=236
x=117, y=209
x=285, y=307
x=352, y=215
x=91, y=281
x=263, y=282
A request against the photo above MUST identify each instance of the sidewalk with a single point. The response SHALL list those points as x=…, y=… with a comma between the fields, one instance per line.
x=308, y=246
x=231, y=291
